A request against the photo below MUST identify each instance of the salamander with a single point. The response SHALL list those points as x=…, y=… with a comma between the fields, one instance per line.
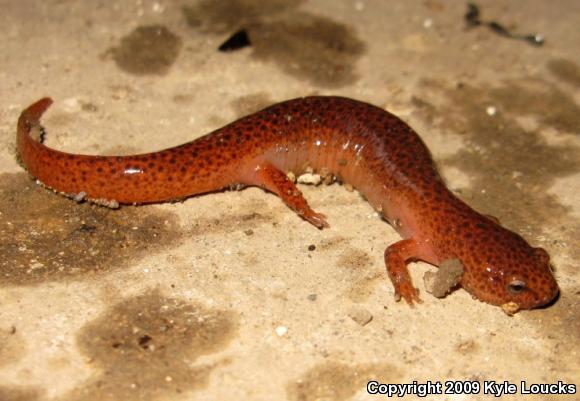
x=359, y=144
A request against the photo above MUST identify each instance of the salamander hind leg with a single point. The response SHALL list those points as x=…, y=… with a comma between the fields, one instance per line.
x=396, y=258
x=274, y=180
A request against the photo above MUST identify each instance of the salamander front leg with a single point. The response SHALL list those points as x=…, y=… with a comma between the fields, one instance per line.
x=396, y=257
x=276, y=181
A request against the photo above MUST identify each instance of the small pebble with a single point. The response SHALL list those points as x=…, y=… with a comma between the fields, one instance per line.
x=309, y=178
x=360, y=316
x=281, y=331
x=510, y=308
x=80, y=196
x=71, y=105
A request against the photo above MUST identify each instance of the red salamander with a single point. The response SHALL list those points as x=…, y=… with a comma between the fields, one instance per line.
x=359, y=144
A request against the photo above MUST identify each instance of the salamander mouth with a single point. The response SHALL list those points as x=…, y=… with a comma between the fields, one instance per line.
x=551, y=297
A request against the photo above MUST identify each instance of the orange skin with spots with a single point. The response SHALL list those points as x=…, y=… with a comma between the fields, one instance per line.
x=359, y=144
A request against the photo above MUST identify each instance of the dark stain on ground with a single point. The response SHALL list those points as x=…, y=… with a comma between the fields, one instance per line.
x=228, y=223
x=48, y=237
x=12, y=346
x=332, y=243
x=511, y=167
x=363, y=275
x=183, y=98
x=540, y=99
x=337, y=381
x=144, y=348
x=148, y=50
x=249, y=104
x=313, y=48
x=20, y=393
x=354, y=259
x=89, y=107
x=310, y=47
x=565, y=70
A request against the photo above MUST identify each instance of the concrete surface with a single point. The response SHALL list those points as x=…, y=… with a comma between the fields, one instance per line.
x=219, y=297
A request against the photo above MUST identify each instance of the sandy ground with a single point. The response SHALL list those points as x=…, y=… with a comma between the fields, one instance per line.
x=222, y=297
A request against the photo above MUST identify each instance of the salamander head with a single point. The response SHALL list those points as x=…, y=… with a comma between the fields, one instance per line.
x=503, y=269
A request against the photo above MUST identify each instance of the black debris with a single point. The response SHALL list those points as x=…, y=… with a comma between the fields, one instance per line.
x=237, y=41
x=472, y=15
x=472, y=18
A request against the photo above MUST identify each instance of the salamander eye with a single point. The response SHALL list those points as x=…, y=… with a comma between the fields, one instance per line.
x=516, y=286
